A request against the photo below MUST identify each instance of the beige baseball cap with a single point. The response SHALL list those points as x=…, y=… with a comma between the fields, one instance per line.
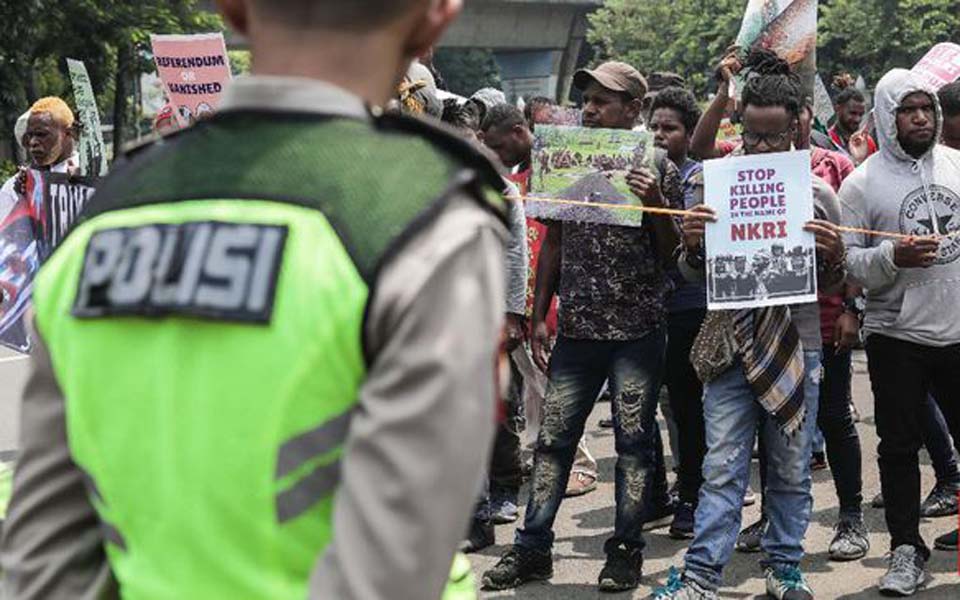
x=615, y=76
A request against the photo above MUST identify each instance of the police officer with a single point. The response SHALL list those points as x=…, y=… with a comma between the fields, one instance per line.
x=265, y=356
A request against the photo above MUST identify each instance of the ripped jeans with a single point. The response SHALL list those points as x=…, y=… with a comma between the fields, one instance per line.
x=731, y=415
x=578, y=369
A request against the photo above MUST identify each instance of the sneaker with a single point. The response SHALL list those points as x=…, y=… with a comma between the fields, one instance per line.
x=622, y=570
x=682, y=526
x=947, y=542
x=750, y=538
x=851, y=541
x=480, y=536
x=503, y=507
x=661, y=517
x=877, y=501
x=942, y=502
x=905, y=574
x=749, y=497
x=580, y=484
x=787, y=583
x=681, y=588
x=674, y=492
x=519, y=565
x=818, y=462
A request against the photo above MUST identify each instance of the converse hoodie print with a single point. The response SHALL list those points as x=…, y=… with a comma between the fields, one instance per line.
x=892, y=191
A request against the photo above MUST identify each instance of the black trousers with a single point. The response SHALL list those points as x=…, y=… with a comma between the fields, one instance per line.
x=903, y=374
x=686, y=400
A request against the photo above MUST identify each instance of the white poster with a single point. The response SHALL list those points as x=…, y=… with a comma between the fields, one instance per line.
x=757, y=252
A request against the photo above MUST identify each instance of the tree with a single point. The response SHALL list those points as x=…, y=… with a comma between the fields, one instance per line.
x=685, y=36
x=467, y=70
x=868, y=37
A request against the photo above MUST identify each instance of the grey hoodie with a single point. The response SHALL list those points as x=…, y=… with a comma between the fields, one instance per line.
x=892, y=191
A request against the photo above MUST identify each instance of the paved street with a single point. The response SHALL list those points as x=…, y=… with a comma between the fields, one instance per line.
x=584, y=523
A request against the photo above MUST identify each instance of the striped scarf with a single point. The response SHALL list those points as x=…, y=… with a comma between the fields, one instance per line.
x=773, y=363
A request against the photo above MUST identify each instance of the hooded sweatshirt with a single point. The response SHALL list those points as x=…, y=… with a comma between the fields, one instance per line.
x=892, y=191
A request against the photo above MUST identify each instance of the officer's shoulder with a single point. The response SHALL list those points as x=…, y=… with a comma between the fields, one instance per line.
x=444, y=139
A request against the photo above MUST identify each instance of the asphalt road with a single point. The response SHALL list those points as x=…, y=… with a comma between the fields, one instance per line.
x=12, y=376
x=584, y=523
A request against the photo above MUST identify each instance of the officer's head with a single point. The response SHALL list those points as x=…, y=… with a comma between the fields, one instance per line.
x=342, y=41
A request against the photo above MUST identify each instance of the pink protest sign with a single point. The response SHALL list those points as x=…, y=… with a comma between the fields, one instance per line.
x=194, y=70
x=941, y=65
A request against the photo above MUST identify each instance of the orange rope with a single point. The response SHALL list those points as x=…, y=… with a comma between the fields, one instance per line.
x=656, y=210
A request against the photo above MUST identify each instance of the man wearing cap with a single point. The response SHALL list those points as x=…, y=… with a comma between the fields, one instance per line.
x=611, y=285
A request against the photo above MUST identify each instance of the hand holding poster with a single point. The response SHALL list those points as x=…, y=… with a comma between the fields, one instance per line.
x=93, y=152
x=940, y=66
x=194, y=70
x=574, y=167
x=758, y=253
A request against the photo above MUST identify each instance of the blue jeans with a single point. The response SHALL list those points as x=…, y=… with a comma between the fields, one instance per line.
x=578, y=369
x=731, y=416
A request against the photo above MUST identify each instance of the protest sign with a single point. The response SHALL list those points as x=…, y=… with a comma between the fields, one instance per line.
x=757, y=252
x=787, y=27
x=940, y=66
x=93, y=152
x=194, y=70
x=63, y=199
x=575, y=166
x=36, y=225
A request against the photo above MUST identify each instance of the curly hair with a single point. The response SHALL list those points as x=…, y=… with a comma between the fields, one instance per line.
x=770, y=82
x=682, y=101
x=847, y=91
x=56, y=108
x=949, y=96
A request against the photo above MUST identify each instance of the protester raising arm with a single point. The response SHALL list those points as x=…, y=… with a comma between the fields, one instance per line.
x=703, y=144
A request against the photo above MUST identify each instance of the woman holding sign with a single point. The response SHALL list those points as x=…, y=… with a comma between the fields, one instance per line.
x=759, y=361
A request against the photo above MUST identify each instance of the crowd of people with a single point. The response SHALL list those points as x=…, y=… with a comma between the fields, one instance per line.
x=263, y=360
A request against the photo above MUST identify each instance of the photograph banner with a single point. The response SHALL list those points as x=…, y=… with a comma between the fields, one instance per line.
x=757, y=252
x=575, y=168
x=194, y=70
x=787, y=27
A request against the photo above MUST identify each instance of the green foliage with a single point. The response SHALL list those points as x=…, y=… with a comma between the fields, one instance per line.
x=870, y=37
x=467, y=70
x=239, y=62
x=866, y=37
x=7, y=169
x=685, y=36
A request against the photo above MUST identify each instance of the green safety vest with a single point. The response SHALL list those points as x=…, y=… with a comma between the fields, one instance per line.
x=205, y=323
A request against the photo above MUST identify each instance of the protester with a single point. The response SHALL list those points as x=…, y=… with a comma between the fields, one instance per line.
x=674, y=115
x=611, y=286
x=786, y=342
x=277, y=424
x=839, y=320
x=847, y=134
x=512, y=140
x=498, y=503
x=911, y=186
x=49, y=140
x=949, y=96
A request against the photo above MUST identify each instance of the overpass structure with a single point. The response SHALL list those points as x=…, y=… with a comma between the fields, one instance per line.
x=535, y=42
